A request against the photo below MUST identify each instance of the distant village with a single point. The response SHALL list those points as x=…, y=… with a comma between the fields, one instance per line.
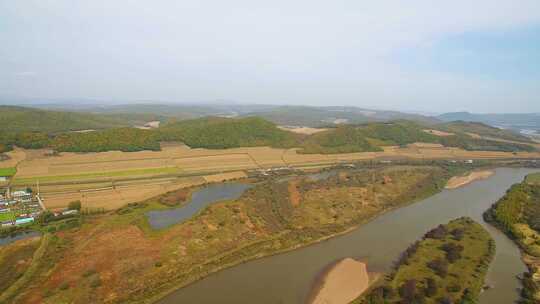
x=19, y=207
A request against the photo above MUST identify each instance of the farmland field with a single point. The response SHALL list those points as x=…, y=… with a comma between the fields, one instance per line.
x=8, y=171
x=72, y=176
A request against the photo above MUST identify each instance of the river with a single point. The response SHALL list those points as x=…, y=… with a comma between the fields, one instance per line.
x=287, y=278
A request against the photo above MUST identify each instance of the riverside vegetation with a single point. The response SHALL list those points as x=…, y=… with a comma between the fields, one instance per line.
x=447, y=266
x=118, y=257
x=518, y=215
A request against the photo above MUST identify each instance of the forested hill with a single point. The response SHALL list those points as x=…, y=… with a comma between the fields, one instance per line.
x=483, y=130
x=38, y=129
x=21, y=119
x=211, y=133
x=219, y=133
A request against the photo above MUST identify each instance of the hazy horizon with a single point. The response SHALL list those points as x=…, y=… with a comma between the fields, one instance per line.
x=481, y=57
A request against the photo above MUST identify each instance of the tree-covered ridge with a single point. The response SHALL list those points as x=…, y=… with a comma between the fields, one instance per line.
x=447, y=266
x=483, y=130
x=121, y=139
x=371, y=136
x=15, y=119
x=343, y=139
x=221, y=133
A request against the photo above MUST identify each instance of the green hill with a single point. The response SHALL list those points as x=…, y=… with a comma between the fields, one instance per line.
x=343, y=139
x=33, y=128
x=483, y=130
x=21, y=119
x=220, y=133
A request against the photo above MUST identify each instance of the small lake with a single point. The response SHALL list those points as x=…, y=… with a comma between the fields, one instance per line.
x=208, y=195
x=288, y=278
x=18, y=236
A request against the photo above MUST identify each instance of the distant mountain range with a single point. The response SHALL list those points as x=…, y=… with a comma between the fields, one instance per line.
x=522, y=122
x=311, y=116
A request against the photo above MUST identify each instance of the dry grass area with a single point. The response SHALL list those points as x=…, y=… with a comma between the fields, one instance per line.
x=302, y=130
x=222, y=177
x=14, y=157
x=459, y=181
x=294, y=194
x=118, y=258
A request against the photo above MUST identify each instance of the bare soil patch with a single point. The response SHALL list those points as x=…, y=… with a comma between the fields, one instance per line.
x=302, y=130
x=343, y=283
x=438, y=133
x=459, y=181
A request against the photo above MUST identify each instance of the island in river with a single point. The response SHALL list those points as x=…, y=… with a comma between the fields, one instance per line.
x=448, y=265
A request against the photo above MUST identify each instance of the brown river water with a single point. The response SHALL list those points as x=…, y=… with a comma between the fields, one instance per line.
x=288, y=277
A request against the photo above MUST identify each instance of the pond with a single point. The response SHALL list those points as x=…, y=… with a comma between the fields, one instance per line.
x=160, y=219
x=18, y=236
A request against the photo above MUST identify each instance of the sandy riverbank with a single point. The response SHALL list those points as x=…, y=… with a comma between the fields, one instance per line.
x=343, y=283
x=459, y=181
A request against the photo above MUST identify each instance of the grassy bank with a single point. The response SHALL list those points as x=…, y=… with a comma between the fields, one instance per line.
x=518, y=215
x=447, y=266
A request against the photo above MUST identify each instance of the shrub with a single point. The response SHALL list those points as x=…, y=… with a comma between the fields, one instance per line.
x=431, y=287
x=64, y=286
x=439, y=266
x=96, y=282
x=407, y=291
x=437, y=233
x=74, y=205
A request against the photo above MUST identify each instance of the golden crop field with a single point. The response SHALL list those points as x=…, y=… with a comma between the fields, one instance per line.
x=111, y=179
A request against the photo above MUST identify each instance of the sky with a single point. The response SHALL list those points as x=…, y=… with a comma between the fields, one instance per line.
x=414, y=55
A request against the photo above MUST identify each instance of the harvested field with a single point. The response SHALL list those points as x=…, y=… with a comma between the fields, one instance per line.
x=113, y=198
x=13, y=158
x=67, y=172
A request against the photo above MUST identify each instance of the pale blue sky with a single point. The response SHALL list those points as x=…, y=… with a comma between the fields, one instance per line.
x=436, y=56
